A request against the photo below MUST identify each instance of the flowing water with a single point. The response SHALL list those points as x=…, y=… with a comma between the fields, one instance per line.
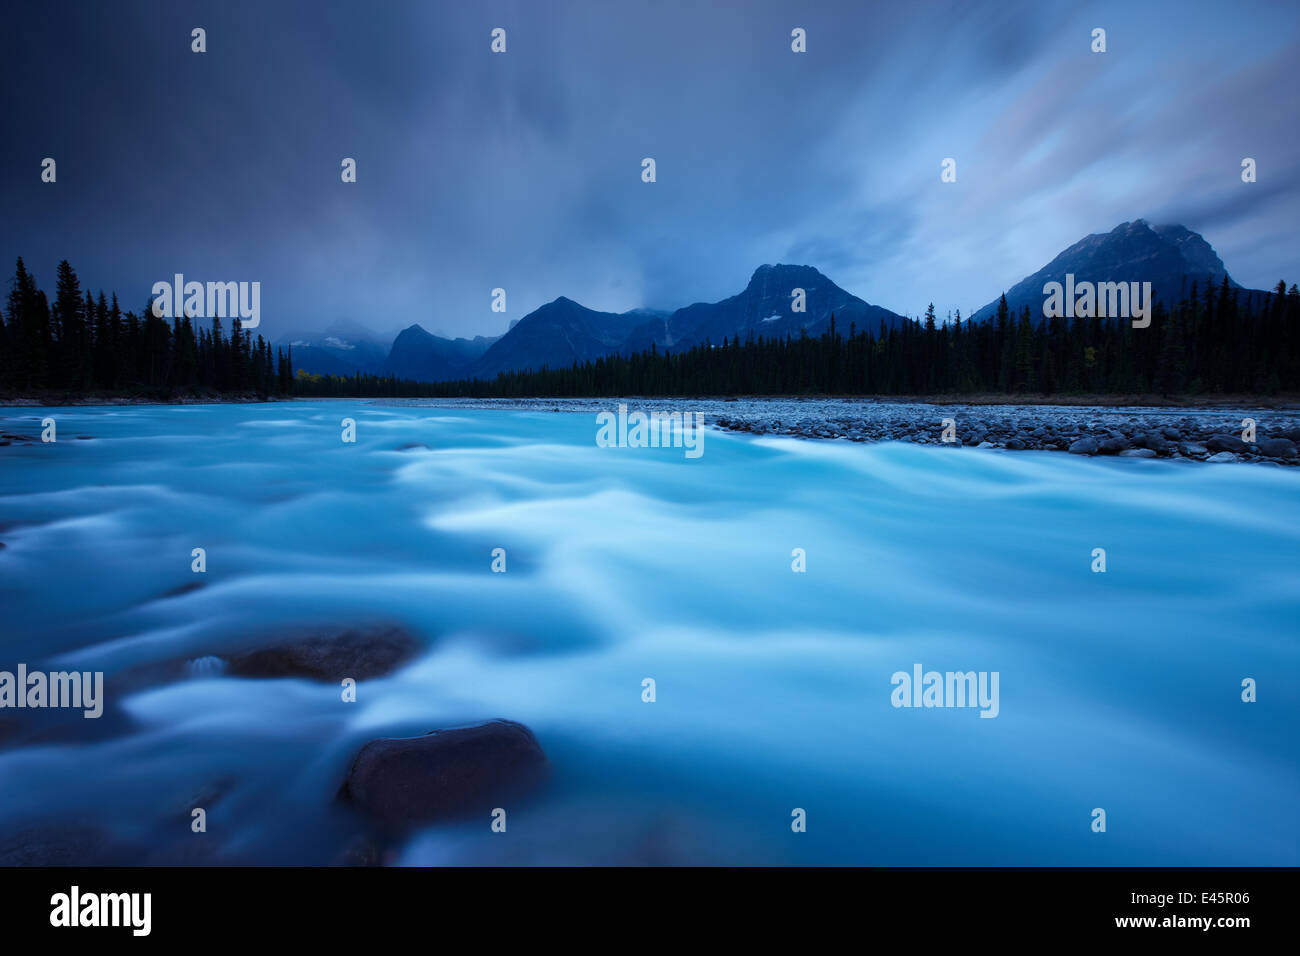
x=1119, y=690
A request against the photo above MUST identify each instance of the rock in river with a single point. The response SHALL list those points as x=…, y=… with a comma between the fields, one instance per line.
x=355, y=653
x=446, y=774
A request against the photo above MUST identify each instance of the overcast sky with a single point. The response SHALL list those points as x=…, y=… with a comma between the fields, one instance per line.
x=522, y=170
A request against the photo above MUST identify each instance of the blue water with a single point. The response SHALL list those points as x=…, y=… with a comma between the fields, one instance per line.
x=1119, y=690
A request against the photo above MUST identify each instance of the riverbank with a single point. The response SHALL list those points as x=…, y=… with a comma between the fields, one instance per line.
x=60, y=399
x=1273, y=402
x=1217, y=433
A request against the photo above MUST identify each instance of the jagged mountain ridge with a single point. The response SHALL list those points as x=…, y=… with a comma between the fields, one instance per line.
x=562, y=331
x=1170, y=257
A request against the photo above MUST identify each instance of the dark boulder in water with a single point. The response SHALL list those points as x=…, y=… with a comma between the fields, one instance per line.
x=446, y=774
x=355, y=653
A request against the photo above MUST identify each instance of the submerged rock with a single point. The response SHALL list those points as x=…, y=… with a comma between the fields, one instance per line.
x=1087, y=445
x=445, y=774
x=206, y=666
x=182, y=589
x=355, y=653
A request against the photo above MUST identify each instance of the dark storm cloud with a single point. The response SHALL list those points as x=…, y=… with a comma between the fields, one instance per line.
x=522, y=170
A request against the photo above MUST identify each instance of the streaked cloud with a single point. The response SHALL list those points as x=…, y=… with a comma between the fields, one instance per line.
x=522, y=170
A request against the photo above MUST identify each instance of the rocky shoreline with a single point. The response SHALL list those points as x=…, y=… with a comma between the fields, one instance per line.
x=1210, y=432
x=1210, y=435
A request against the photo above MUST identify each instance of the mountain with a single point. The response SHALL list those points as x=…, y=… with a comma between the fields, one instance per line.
x=342, y=348
x=557, y=335
x=418, y=355
x=764, y=308
x=1171, y=258
x=563, y=332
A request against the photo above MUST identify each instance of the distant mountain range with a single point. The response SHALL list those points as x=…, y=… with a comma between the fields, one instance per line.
x=562, y=332
x=345, y=348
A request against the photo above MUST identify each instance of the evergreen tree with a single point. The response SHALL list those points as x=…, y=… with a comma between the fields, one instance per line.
x=29, y=333
x=69, y=329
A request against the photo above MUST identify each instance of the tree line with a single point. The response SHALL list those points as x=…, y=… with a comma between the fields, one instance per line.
x=80, y=344
x=1218, y=340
